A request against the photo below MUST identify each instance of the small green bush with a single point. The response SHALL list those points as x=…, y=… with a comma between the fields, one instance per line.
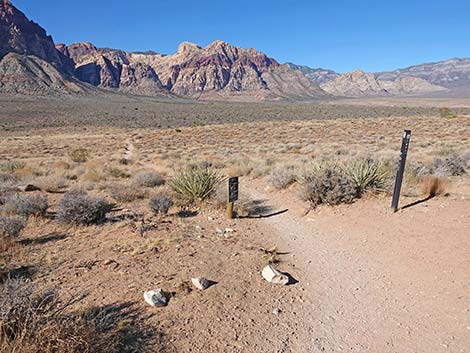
x=367, y=174
x=196, y=184
x=79, y=208
x=25, y=206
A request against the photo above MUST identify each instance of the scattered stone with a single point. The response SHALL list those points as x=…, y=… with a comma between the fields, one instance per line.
x=201, y=283
x=229, y=230
x=273, y=276
x=156, y=298
x=29, y=188
x=276, y=311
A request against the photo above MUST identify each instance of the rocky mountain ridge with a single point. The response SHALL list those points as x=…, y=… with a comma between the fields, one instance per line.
x=220, y=69
x=362, y=84
x=30, y=63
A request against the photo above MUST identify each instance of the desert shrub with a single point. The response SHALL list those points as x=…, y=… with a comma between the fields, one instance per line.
x=36, y=321
x=161, y=203
x=148, y=179
x=367, y=174
x=432, y=186
x=11, y=166
x=8, y=183
x=50, y=183
x=282, y=176
x=6, y=178
x=328, y=185
x=93, y=175
x=196, y=183
x=22, y=205
x=118, y=173
x=453, y=165
x=446, y=112
x=79, y=155
x=79, y=208
x=126, y=193
x=11, y=227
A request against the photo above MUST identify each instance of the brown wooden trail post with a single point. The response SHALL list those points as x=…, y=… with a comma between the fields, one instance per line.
x=232, y=195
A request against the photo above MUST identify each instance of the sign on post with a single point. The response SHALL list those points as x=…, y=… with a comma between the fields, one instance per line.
x=232, y=195
x=233, y=189
x=401, y=169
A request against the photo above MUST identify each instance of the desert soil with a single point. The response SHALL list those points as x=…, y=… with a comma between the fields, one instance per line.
x=367, y=280
x=378, y=281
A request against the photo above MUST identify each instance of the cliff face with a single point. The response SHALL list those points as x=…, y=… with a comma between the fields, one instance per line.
x=29, y=61
x=22, y=36
x=362, y=84
x=218, y=70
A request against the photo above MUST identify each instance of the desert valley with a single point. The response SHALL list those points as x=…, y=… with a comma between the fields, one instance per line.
x=114, y=172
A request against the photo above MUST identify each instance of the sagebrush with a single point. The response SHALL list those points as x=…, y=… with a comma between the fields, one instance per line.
x=328, y=185
x=148, y=179
x=25, y=206
x=79, y=208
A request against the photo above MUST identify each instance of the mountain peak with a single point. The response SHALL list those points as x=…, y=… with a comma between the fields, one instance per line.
x=188, y=47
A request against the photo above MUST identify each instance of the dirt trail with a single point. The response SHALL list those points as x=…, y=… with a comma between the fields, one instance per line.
x=379, y=282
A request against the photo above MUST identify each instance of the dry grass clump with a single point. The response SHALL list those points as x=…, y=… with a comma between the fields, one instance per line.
x=432, y=186
x=11, y=166
x=126, y=192
x=161, y=203
x=25, y=206
x=148, y=179
x=283, y=176
x=116, y=172
x=79, y=155
x=79, y=208
x=328, y=185
x=196, y=184
x=37, y=322
x=51, y=184
x=8, y=183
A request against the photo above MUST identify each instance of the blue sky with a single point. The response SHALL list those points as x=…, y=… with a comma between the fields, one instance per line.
x=341, y=35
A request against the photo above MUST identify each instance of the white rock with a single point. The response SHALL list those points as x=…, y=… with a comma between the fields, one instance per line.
x=272, y=275
x=156, y=298
x=201, y=283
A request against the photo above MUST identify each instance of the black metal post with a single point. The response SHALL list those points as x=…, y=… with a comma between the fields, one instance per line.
x=401, y=169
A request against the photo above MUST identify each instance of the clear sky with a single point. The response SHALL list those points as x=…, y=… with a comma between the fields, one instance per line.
x=337, y=34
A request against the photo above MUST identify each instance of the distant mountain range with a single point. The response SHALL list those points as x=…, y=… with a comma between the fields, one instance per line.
x=31, y=63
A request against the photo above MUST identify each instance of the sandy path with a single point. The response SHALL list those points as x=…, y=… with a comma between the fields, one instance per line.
x=379, y=282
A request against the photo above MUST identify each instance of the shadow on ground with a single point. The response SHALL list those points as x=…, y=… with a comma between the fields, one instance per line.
x=259, y=209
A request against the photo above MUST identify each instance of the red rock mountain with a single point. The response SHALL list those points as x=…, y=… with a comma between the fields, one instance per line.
x=29, y=61
x=219, y=70
x=22, y=36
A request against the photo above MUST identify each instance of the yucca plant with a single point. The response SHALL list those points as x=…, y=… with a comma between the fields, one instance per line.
x=196, y=184
x=368, y=174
